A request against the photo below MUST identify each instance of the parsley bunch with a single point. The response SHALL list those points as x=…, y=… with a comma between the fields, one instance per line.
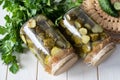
x=21, y=11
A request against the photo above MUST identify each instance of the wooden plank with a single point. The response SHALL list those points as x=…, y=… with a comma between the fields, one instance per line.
x=82, y=71
x=42, y=75
x=28, y=71
x=3, y=67
x=2, y=15
x=110, y=69
x=3, y=70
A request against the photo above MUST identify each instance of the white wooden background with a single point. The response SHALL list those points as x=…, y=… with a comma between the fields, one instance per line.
x=32, y=70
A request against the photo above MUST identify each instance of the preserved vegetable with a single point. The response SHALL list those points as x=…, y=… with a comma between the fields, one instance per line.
x=46, y=42
x=88, y=38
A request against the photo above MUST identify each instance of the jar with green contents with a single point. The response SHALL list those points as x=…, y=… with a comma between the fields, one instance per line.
x=88, y=38
x=50, y=47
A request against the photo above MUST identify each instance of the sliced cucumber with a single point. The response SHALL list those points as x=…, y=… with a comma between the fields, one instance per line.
x=83, y=31
x=108, y=8
x=117, y=6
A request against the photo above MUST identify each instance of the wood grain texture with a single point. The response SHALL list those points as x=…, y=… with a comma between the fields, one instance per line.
x=28, y=70
x=32, y=69
x=3, y=70
x=3, y=67
x=42, y=75
x=110, y=69
x=82, y=71
x=2, y=15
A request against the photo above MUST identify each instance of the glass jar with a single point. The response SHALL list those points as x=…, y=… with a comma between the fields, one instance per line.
x=88, y=38
x=46, y=42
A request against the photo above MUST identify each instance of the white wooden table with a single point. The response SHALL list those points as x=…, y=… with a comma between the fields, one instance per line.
x=32, y=70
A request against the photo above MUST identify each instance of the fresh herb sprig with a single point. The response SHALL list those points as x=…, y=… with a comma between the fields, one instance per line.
x=21, y=11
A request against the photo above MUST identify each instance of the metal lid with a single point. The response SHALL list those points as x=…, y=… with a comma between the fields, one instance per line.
x=64, y=64
x=100, y=53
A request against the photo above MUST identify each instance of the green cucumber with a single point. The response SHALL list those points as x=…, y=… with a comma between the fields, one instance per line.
x=117, y=6
x=108, y=8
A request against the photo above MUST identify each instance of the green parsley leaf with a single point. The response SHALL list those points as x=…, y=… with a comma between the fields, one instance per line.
x=21, y=11
x=2, y=30
x=14, y=68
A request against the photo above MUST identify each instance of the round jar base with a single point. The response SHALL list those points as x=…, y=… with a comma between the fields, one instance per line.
x=64, y=64
x=101, y=56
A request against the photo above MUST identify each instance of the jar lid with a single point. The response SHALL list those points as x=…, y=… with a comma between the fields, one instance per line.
x=64, y=64
x=100, y=53
x=109, y=23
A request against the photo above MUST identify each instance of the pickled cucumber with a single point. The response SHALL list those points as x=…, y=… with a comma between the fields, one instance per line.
x=87, y=26
x=85, y=39
x=68, y=17
x=55, y=50
x=23, y=38
x=97, y=29
x=76, y=39
x=31, y=23
x=83, y=55
x=71, y=16
x=86, y=48
x=29, y=42
x=47, y=59
x=60, y=44
x=78, y=24
x=103, y=36
x=49, y=43
x=83, y=31
x=40, y=17
x=94, y=37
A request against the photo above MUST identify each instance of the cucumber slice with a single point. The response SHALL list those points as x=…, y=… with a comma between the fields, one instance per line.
x=97, y=29
x=117, y=6
x=108, y=8
x=85, y=39
x=83, y=31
